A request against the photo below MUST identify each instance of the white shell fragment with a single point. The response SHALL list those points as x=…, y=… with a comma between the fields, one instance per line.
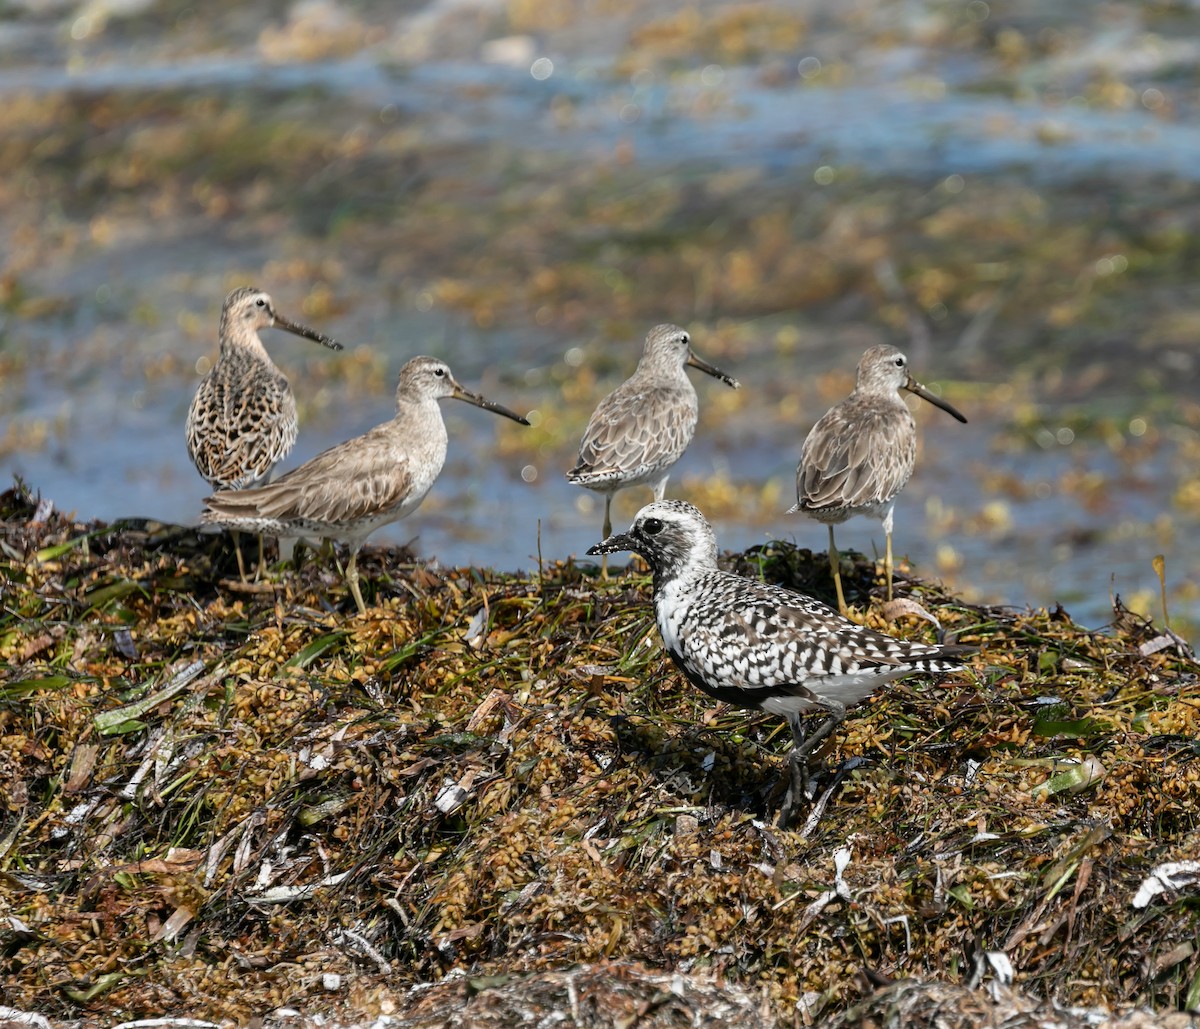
x=1171, y=875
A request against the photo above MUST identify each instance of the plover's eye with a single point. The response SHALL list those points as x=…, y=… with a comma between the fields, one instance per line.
x=260, y=302
x=900, y=361
x=439, y=372
x=652, y=526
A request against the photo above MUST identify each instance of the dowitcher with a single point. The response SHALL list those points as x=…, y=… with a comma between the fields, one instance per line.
x=350, y=490
x=642, y=428
x=242, y=420
x=860, y=454
x=761, y=646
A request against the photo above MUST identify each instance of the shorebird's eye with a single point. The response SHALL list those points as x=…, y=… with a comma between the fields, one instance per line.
x=652, y=526
x=439, y=372
x=899, y=362
x=260, y=302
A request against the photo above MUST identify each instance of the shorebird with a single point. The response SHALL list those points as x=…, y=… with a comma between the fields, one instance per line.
x=350, y=490
x=643, y=426
x=859, y=455
x=242, y=420
x=761, y=646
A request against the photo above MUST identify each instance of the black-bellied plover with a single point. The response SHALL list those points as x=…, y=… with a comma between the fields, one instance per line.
x=643, y=427
x=860, y=453
x=762, y=646
x=242, y=420
x=350, y=490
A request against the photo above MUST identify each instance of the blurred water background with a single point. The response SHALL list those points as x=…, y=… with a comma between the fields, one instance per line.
x=524, y=187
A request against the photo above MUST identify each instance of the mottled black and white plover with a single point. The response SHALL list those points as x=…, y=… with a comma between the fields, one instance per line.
x=762, y=646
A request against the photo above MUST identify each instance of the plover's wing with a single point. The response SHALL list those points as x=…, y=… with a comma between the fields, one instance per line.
x=856, y=455
x=635, y=429
x=762, y=637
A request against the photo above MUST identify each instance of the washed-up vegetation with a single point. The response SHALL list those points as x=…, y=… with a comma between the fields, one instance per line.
x=308, y=150
x=218, y=799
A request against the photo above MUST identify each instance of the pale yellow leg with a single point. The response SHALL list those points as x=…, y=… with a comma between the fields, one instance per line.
x=887, y=566
x=237, y=550
x=835, y=567
x=258, y=570
x=607, y=533
x=352, y=582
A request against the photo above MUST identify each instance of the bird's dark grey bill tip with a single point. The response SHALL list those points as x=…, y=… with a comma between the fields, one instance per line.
x=921, y=391
x=613, y=545
x=489, y=405
x=713, y=370
x=303, y=330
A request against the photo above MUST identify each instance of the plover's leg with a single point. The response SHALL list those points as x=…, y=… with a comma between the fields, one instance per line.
x=802, y=747
x=797, y=774
x=837, y=715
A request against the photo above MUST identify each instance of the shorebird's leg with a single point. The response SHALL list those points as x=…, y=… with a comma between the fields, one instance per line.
x=261, y=558
x=607, y=532
x=835, y=566
x=237, y=550
x=887, y=560
x=887, y=566
x=352, y=581
x=287, y=549
x=797, y=775
x=837, y=715
x=802, y=747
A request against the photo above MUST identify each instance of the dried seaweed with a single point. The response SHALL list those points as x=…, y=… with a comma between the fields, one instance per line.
x=221, y=802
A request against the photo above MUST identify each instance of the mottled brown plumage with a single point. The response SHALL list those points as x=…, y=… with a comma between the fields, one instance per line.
x=242, y=419
x=861, y=452
x=348, y=491
x=638, y=432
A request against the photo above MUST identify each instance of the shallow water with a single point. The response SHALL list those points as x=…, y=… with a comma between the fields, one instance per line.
x=89, y=425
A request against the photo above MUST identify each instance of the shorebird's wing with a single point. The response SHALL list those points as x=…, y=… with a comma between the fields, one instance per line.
x=765, y=638
x=636, y=428
x=351, y=482
x=856, y=455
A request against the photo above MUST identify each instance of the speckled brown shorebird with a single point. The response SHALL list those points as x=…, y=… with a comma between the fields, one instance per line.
x=242, y=420
x=861, y=452
x=350, y=490
x=642, y=428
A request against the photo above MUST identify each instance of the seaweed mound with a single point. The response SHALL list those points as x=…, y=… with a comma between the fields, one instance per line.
x=229, y=802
